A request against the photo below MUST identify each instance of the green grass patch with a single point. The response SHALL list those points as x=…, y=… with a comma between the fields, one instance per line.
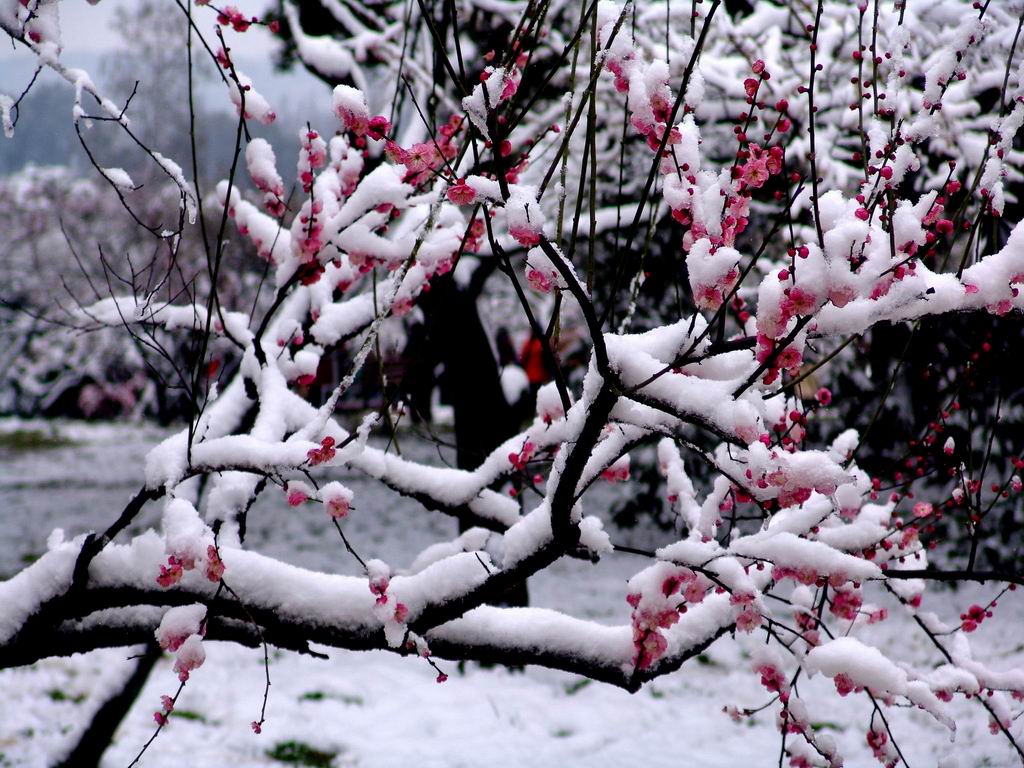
x=56, y=694
x=576, y=687
x=344, y=698
x=298, y=753
x=32, y=440
x=826, y=724
x=188, y=714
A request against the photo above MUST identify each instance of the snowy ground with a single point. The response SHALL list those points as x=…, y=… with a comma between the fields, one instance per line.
x=377, y=710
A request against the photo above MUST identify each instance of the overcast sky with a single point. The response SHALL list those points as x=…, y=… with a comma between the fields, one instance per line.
x=87, y=29
x=88, y=34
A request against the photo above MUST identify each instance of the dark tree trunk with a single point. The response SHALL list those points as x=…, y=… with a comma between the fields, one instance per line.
x=483, y=420
x=97, y=737
x=457, y=339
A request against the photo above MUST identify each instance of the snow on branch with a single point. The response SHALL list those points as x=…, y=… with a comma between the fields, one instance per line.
x=779, y=243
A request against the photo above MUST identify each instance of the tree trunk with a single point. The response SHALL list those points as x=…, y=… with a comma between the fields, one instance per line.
x=97, y=737
x=483, y=420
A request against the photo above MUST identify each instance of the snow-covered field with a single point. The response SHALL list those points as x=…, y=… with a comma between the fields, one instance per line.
x=378, y=710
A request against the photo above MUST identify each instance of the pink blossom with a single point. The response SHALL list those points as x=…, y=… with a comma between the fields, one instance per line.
x=191, y=655
x=844, y=685
x=509, y=87
x=526, y=236
x=922, y=509
x=671, y=584
x=748, y=620
x=171, y=574
x=322, y=454
x=650, y=648
x=338, y=508
x=354, y=122
x=401, y=612
x=378, y=127
x=846, y=604
x=519, y=460
x=974, y=616
x=617, y=472
x=754, y=173
x=230, y=15
x=401, y=306
x=841, y=296
x=421, y=157
x=695, y=591
x=461, y=193
x=790, y=359
x=542, y=282
x=801, y=301
x=379, y=587
x=772, y=678
x=214, y=565
x=708, y=296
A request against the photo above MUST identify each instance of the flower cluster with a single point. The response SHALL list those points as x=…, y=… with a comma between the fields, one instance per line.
x=171, y=573
x=392, y=613
x=167, y=707
x=262, y=166
x=846, y=603
x=881, y=747
x=297, y=493
x=323, y=454
x=350, y=108
x=312, y=155
x=522, y=458
x=618, y=472
x=658, y=596
x=337, y=500
x=423, y=159
x=773, y=679
x=214, y=565
x=181, y=631
x=229, y=15
x=972, y=618
x=748, y=617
